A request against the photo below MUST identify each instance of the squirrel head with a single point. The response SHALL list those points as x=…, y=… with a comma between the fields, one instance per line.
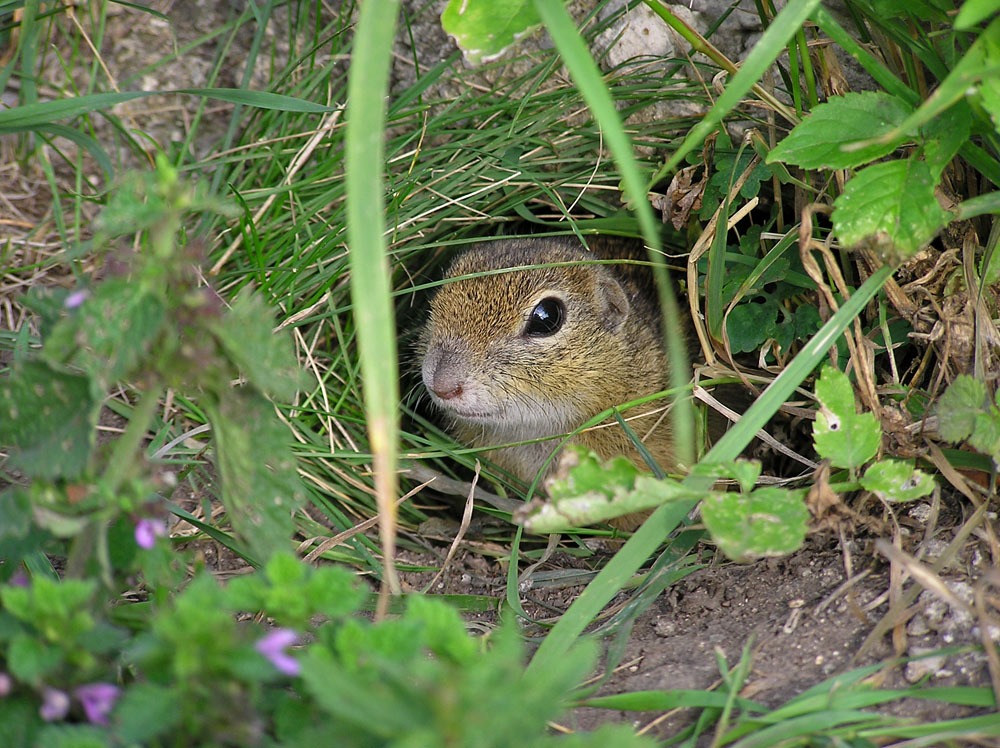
x=529, y=338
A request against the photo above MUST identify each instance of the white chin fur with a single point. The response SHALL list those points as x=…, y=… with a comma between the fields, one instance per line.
x=515, y=418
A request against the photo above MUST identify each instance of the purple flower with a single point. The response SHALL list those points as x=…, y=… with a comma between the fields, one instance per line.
x=55, y=705
x=98, y=699
x=273, y=645
x=6, y=685
x=75, y=299
x=147, y=531
x=19, y=579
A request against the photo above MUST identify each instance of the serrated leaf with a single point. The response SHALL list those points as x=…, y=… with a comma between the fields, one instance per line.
x=49, y=418
x=749, y=325
x=265, y=358
x=31, y=660
x=260, y=486
x=945, y=135
x=891, y=204
x=15, y=513
x=581, y=509
x=586, y=473
x=484, y=29
x=19, y=722
x=835, y=393
x=841, y=435
x=959, y=406
x=744, y=472
x=442, y=628
x=111, y=332
x=897, y=480
x=820, y=140
x=767, y=522
x=73, y=736
x=986, y=435
x=145, y=711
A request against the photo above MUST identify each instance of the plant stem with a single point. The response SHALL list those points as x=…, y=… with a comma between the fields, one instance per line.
x=123, y=458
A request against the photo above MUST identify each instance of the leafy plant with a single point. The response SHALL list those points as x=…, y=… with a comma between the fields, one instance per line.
x=78, y=670
x=966, y=413
x=148, y=323
x=752, y=522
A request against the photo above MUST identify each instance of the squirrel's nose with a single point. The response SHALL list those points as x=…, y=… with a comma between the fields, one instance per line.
x=443, y=373
x=447, y=391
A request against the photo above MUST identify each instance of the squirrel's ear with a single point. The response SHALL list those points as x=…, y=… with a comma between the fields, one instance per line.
x=612, y=303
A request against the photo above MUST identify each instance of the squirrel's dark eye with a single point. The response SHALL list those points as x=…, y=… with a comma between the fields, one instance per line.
x=545, y=319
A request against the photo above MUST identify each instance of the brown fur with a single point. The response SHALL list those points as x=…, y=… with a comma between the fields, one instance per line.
x=516, y=388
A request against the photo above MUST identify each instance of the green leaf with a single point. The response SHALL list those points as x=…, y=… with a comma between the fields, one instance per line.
x=293, y=593
x=595, y=491
x=744, y=472
x=50, y=418
x=484, y=29
x=266, y=359
x=989, y=98
x=974, y=12
x=145, y=711
x=841, y=435
x=750, y=324
x=590, y=474
x=443, y=629
x=959, y=406
x=986, y=434
x=891, y=204
x=944, y=137
x=31, y=660
x=769, y=521
x=15, y=513
x=48, y=304
x=111, y=332
x=822, y=140
x=260, y=486
x=19, y=721
x=73, y=736
x=964, y=80
x=897, y=480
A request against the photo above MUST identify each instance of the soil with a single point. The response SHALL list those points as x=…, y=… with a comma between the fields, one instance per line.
x=804, y=618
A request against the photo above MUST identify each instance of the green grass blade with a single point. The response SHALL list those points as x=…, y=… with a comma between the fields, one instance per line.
x=588, y=79
x=771, y=45
x=41, y=113
x=371, y=290
x=608, y=582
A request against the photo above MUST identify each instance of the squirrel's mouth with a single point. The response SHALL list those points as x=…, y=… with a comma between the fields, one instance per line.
x=472, y=416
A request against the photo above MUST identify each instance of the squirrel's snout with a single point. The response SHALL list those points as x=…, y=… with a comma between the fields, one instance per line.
x=443, y=373
x=446, y=391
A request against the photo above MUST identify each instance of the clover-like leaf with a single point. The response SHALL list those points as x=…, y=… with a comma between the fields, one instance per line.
x=958, y=407
x=841, y=435
x=484, y=29
x=769, y=521
x=897, y=480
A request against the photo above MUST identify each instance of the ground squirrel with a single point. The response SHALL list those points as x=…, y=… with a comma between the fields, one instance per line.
x=533, y=353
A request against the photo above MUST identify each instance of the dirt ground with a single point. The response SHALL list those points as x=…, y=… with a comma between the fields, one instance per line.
x=805, y=617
